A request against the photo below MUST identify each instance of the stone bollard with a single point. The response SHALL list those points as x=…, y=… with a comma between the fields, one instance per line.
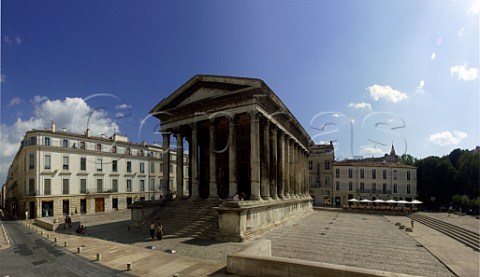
x=55, y=240
x=65, y=244
x=129, y=266
x=401, y=227
x=42, y=232
x=79, y=249
x=99, y=256
x=407, y=229
x=397, y=224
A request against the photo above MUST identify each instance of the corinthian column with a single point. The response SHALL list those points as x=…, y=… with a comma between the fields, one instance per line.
x=212, y=163
x=274, y=176
x=166, y=161
x=232, y=159
x=254, y=156
x=179, y=166
x=282, y=166
x=194, y=160
x=265, y=185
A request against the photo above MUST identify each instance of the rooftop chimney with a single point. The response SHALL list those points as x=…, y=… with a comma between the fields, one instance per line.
x=87, y=132
x=53, y=126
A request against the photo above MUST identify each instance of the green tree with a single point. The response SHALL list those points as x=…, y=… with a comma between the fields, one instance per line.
x=469, y=173
x=408, y=159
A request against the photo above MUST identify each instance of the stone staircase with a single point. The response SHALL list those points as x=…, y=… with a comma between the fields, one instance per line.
x=188, y=218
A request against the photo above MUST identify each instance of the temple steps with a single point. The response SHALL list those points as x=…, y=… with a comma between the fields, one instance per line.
x=188, y=218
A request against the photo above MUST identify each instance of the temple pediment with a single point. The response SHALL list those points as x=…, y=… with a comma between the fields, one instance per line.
x=203, y=87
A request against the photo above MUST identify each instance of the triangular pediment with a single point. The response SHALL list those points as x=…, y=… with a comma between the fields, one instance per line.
x=202, y=94
x=202, y=87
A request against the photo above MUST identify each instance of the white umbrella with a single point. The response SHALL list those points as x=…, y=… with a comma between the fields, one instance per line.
x=378, y=201
x=415, y=201
x=402, y=202
x=391, y=201
x=352, y=200
x=365, y=201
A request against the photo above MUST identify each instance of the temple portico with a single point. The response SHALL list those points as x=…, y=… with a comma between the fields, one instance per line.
x=241, y=139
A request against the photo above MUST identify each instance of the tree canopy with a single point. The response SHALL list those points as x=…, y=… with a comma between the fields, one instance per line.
x=440, y=178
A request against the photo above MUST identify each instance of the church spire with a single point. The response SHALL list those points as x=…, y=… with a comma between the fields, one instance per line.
x=392, y=151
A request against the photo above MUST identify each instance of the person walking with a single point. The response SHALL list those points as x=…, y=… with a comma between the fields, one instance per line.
x=160, y=232
x=152, y=230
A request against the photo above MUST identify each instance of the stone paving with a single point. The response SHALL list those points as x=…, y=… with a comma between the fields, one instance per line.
x=352, y=239
x=360, y=240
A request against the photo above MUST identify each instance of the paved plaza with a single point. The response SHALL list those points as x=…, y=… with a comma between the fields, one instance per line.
x=351, y=239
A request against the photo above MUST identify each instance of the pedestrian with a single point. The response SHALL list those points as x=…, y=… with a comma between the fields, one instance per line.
x=152, y=230
x=160, y=232
x=26, y=214
x=412, y=223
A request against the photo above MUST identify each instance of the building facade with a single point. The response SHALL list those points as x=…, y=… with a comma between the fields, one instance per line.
x=374, y=178
x=320, y=168
x=243, y=140
x=57, y=172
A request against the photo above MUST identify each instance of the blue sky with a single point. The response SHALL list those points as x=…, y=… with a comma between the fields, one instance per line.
x=369, y=73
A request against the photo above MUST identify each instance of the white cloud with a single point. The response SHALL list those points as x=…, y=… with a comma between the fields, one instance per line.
x=464, y=73
x=420, y=88
x=433, y=56
x=460, y=32
x=15, y=101
x=439, y=40
x=474, y=8
x=123, y=106
x=448, y=138
x=389, y=94
x=12, y=41
x=2, y=78
x=371, y=150
x=74, y=114
x=361, y=105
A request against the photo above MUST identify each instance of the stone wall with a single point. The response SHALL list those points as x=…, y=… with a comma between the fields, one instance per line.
x=242, y=220
x=256, y=260
x=142, y=211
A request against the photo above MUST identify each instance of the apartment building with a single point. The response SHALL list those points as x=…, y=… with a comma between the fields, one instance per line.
x=58, y=172
x=374, y=178
x=320, y=168
x=332, y=182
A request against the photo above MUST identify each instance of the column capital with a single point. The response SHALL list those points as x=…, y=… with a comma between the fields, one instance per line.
x=253, y=114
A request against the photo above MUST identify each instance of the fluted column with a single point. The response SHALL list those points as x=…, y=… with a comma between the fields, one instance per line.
x=274, y=176
x=166, y=161
x=307, y=180
x=213, y=193
x=288, y=166
x=254, y=156
x=194, y=160
x=282, y=168
x=232, y=159
x=179, y=166
x=299, y=171
x=265, y=184
x=295, y=170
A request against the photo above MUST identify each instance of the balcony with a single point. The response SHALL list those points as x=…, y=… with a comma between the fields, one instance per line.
x=375, y=191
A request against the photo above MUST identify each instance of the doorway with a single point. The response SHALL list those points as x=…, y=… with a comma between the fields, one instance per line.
x=66, y=207
x=115, y=203
x=83, y=206
x=47, y=208
x=99, y=205
x=32, y=210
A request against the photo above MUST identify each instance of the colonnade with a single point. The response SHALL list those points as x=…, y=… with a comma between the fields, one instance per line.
x=277, y=164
